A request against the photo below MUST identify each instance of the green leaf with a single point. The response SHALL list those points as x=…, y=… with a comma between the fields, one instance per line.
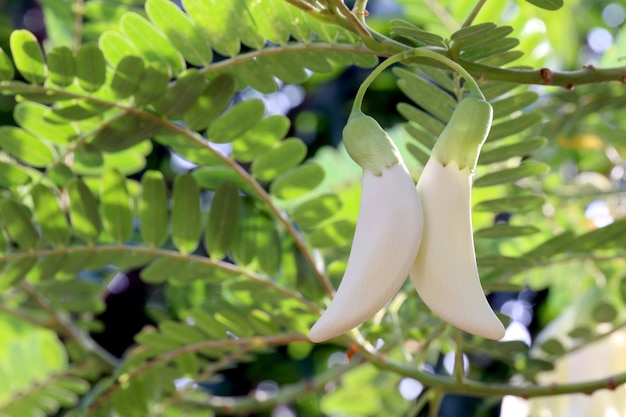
x=505, y=152
x=186, y=220
x=49, y=214
x=547, y=4
x=408, y=30
x=90, y=68
x=25, y=147
x=334, y=234
x=150, y=42
x=40, y=121
x=115, y=47
x=622, y=289
x=514, y=204
x=280, y=159
x=487, y=38
x=249, y=74
x=12, y=175
x=504, y=231
x=606, y=237
x=7, y=70
x=260, y=138
x=16, y=271
x=504, y=176
x=153, y=84
x=182, y=94
x=211, y=177
x=489, y=50
x=422, y=119
x=583, y=333
x=215, y=20
x=244, y=246
x=269, y=19
x=211, y=103
x=511, y=104
x=236, y=121
x=122, y=132
x=290, y=69
x=604, y=312
x=316, y=211
x=127, y=76
x=61, y=66
x=426, y=95
x=297, y=182
x=47, y=268
x=223, y=219
x=83, y=211
x=184, y=271
x=553, y=347
x=553, y=246
x=514, y=126
x=183, y=334
x=153, y=214
x=115, y=200
x=181, y=31
x=505, y=262
x=28, y=56
x=472, y=31
x=16, y=219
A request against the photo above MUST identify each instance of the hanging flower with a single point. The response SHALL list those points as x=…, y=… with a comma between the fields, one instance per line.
x=387, y=236
x=445, y=273
x=389, y=229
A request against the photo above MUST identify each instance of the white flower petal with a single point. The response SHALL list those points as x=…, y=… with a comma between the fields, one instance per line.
x=445, y=274
x=386, y=241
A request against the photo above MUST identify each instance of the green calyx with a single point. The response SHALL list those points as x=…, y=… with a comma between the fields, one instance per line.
x=368, y=144
x=465, y=133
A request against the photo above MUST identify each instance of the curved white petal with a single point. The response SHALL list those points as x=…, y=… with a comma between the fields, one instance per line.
x=445, y=274
x=386, y=241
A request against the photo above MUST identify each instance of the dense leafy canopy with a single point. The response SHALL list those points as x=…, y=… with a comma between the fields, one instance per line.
x=243, y=240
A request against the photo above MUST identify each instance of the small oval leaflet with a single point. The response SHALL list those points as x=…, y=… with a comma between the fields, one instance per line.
x=50, y=217
x=26, y=147
x=502, y=153
x=240, y=118
x=90, y=68
x=61, y=66
x=186, y=218
x=504, y=176
x=504, y=231
x=183, y=93
x=127, y=75
x=223, y=219
x=17, y=222
x=317, y=210
x=511, y=204
x=261, y=138
x=297, y=182
x=472, y=31
x=115, y=201
x=280, y=159
x=28, y=56
x=181, y=31
x=153, y=208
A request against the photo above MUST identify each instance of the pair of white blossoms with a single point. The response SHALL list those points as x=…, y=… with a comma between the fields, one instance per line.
x=423, y=231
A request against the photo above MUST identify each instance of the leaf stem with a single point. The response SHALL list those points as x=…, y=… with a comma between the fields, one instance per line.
x=459, y=364
x=470, y=18
x=66, y=327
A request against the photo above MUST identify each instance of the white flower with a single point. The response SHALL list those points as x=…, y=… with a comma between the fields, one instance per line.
x=386, y=241
x=445, y=274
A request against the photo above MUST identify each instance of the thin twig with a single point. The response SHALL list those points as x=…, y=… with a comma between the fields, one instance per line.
x=66, y=327
x=470, y=18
